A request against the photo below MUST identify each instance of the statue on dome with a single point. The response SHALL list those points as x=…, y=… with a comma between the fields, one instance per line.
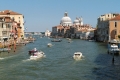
x=66, y=14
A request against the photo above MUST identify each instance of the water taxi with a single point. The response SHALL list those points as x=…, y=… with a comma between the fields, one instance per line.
x=77, y=55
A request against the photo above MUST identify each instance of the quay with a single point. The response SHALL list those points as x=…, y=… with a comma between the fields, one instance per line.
x=6, y=46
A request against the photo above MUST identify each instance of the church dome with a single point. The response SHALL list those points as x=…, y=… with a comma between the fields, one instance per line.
x=76, y=21
x=65, y=21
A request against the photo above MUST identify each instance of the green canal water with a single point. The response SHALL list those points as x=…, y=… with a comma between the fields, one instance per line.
x=59, y=63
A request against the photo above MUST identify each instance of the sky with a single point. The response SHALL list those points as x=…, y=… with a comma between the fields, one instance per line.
x=42, y=15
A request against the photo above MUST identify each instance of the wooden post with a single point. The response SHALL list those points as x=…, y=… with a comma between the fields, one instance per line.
x=14, y=45
x=113, y=57
x=8, y=47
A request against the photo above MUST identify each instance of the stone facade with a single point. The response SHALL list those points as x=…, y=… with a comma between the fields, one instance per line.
x=106, y=29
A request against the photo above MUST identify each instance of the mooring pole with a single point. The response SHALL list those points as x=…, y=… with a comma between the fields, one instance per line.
x=113, y=57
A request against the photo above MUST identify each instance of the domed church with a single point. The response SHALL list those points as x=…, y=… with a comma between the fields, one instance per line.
x=78, y=21
x=66, y=20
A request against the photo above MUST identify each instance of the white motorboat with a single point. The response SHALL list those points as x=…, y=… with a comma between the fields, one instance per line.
x=34, y=54
x=49, y=44
x=113, y=49
x=37, y=55
x=77, y=55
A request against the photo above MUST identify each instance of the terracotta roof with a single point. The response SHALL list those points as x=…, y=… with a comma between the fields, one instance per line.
x=115, y=18
x=9, y=12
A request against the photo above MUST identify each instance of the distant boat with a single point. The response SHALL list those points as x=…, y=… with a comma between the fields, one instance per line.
x=49, y=44
x=56, y=40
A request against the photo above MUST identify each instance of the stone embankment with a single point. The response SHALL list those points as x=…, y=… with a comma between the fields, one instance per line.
x=8, y=44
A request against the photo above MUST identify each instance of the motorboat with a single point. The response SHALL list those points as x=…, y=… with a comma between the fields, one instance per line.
x=56, y=40
x=37, y=55
x=34, y=54
x=113, y=49
x=77, y=55
x=49, y=44
x=31, y=52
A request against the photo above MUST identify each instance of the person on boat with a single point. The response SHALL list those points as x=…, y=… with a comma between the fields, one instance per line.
x=35, y=50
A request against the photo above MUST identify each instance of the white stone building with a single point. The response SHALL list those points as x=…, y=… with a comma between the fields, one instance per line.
x=47, y=33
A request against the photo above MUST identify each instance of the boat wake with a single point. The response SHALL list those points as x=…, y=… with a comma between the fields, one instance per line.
x=2, y=58
x=34, y=59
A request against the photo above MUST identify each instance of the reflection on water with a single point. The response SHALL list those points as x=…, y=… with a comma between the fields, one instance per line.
x=59, y=63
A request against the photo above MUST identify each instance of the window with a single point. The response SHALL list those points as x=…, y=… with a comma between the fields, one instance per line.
x=108, y=15
x=2, y=25
x=4, y=33
x=107, y=31
x=115, y=24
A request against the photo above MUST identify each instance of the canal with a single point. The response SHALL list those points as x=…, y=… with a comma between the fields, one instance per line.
x=59, y=63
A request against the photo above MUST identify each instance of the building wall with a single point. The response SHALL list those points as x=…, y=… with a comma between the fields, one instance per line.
x=18, y=19
x=114, y=31
x=105, y=28
x=5, y=30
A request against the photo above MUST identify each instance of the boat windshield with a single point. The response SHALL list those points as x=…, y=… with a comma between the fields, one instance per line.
x=77, y=54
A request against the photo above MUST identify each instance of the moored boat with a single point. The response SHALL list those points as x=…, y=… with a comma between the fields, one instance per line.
x=113, y=49
x=4, y=49
x=56, y=40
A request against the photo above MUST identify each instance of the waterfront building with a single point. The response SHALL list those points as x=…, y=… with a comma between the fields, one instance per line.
x=78, y=21
x=107, y=27
x=47, y=33
x=5, y=27
x=61, y=31
x=70, y=29
x=114, y=29
x=57, y=30
x=82, y=31
x=64, y=27
x=19, y=18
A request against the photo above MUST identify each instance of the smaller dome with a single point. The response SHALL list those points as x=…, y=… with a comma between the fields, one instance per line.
x=76, y=21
